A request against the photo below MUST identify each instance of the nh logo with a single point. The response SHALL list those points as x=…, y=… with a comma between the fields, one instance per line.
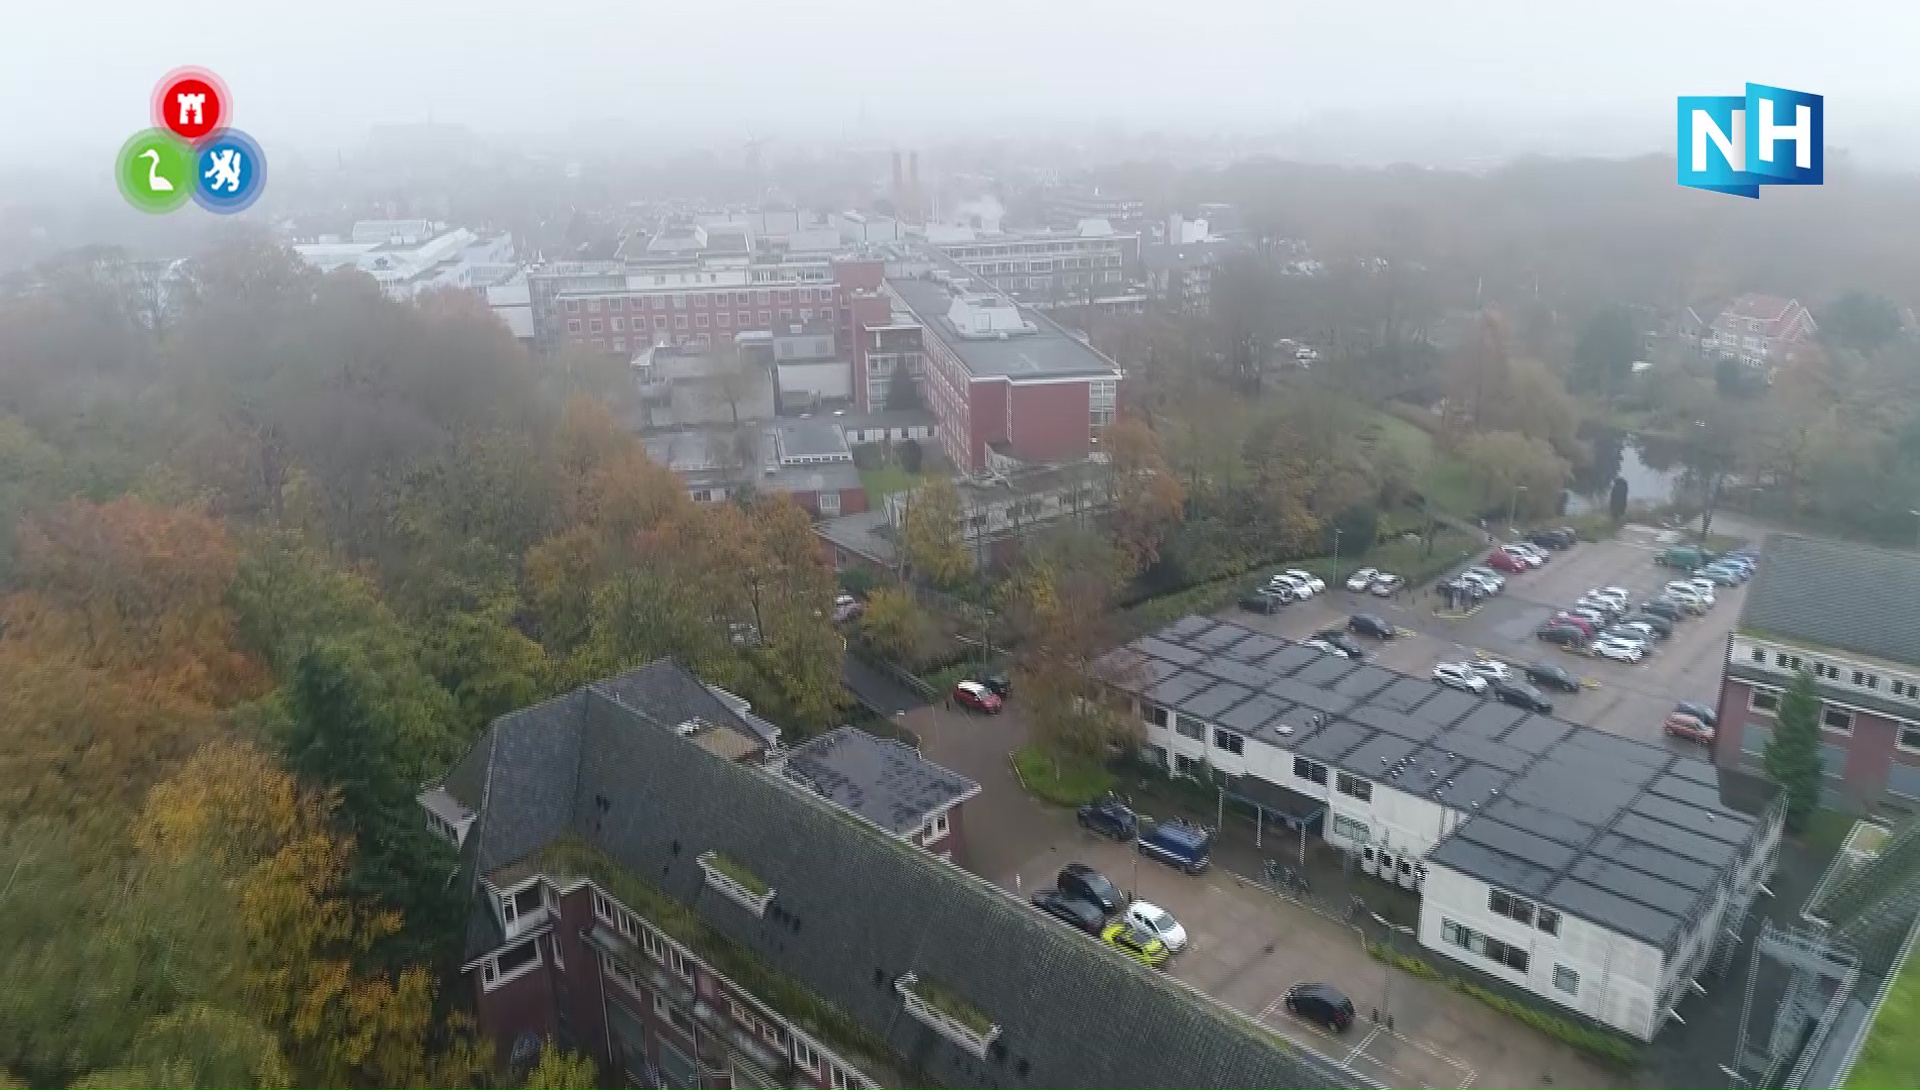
x=1733, y=144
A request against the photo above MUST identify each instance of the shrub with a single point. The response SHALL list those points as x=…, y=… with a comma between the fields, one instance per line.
x=1061, y=779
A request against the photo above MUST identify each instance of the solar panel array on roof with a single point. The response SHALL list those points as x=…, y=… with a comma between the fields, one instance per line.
x=1619, y=832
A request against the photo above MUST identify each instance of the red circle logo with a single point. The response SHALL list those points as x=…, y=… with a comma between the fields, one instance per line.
x=191, y=103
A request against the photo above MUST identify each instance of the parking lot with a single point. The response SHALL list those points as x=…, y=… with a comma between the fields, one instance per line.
x=1248, y=946
x=1624, y=699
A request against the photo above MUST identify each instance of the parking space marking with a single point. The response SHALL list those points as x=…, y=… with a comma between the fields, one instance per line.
x=1362, y=1046
x=1378, y=1035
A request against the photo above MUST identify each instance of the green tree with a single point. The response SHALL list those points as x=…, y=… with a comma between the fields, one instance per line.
x=903, y=393
x=1512, y=469
x=562, y=1070
x=1604, y=354
x=931, y=534
x=896, y=626
x=1861, y=321
x=1617, y=500
x=1792, y=755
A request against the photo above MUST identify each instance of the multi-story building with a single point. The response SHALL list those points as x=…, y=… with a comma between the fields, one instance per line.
x=1759, y=330
x=620, y=307
x=642, y=895
x=1595, y=871
x=1000, y=378
x=1067, y=205
x=808, y=461
x=407, y=257
x=1047, y=269
x=887, y=783
x=1181, y=275
x=1843, y=613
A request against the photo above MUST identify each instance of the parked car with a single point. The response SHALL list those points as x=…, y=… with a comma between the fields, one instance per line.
x=1559, y=537
x=1699, y=711
x=1681, y=725
x=1596, y=617
x=1343, y=643
x=1366, y=624
x=1600, y=607
x=1322, y=646
x=1704, y=586
x=1642, y=629
x=1619, y=650
x=1073, y=911
x=972, y=694
x=1361, y=580
x=1722, y=577
x=1178, y=843
x=1313, y=583
x=1501, y=560
x=1688, y=598
x=999, y=685
x=1685, y=557
x=1529, y=549
x=1322, y=1004
x=1522, y=695
x=847, y=608
x=1665, y=608
x=1386, y=585
x=1159, y=923
x=1562, y=635
x=1553, y=677
x=1585, y=623
x=1141, y=946
x=1661, y=626
x=1486, y=577
x=1491, y=669
x=1524, y=554
x=1082, y=881
x=1109, y=817
x=1456, y=675
x=1293, y=588
x=1262, y=601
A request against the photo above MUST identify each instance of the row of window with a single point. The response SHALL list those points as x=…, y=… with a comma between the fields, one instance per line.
x=1466, y=938
x=511, y=962
x=1861, y=679
x=618, y=325
x=641, y=934
x=1521, y=910
x=1836, y=720
x=1354, y=787
x=701, y=301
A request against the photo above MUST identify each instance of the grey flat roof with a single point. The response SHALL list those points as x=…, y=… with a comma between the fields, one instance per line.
x=1836, y=594
x=812, y=438
x=1619, y=832
x=884, y=781
x=1050, y=352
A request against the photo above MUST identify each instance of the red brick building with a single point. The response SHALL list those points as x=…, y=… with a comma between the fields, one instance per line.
x=1000, y=378
x=1844, y=613
x=1759, y=330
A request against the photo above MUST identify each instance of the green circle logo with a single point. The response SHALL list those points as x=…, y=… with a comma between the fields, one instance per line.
x=155, y=171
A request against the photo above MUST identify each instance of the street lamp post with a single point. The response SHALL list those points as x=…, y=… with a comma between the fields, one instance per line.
x=1336, y=556
x=1394, y=931
x=1513, y=506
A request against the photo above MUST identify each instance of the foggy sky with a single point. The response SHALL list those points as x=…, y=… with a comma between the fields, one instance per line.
x=317, y=75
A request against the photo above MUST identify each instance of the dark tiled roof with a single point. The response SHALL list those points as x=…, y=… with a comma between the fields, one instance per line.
x=1835, y=594
x=857, y=909
x=884, y=781
x=1619, y=832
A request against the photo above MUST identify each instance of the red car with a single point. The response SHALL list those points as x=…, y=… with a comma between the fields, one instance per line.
x=1682, y=725
x=972, y=694
x=1501, y=560
x=1572, y=621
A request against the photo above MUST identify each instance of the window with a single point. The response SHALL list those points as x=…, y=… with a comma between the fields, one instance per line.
x=1786, y=661
x=573, y=325
x=1189, y=728
x=1353, y=830
x=520, y=903
x=1355, y=786
x=830, y=503
x=1312, y=771
x=573, y=306
x=682, y=964
x=1486, y=946
x=593, y=326
x=1905, y=688
x=617, y=324
x=1186, y=766
x=722, y=318
x=1759, y=656
x=1866, y=680
x=1548, y=921
x=1566, y=980
x=620, y=344
x=1825, y=670
x=1518, y=909
x=700, y=320
x=838, y=1079
x=1909, y=737
x=804, y=1057
x=1229, y=741
x=553, y=947
x=1763, y=700
x=660, y=321
x=1156, y=715
x=679, y=301
x=509, y=963
x=593, y=306
x=1833, y=719
x=700, y=302
x=939, y=828
x=679, y=321
x=619, y=971
x=745, y=317
x=602, y=908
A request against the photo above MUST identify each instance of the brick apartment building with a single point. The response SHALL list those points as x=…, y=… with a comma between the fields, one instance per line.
x=1846, y=613
x=999, y=378
x=1759, y=330
x=644, y=894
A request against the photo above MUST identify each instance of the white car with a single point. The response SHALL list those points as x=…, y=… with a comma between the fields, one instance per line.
x=1386, y=585
x=1457, y=675
x=1292, y=586
x=1491, y=670
x=1647, y=631
x=1158, y=922
x=1529, y=559
x=1486, y=577
x=1605, y=606
x=1619, y=649
x=1362, y=579
x=1706, y=587
x=1313, y=582
x=1615, y=595
x=1690, y=599
x=1323, y=647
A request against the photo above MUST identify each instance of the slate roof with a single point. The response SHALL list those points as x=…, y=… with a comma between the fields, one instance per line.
x=857, y=909
x=1836, y=594
x=1618, y=832
x=885, y=781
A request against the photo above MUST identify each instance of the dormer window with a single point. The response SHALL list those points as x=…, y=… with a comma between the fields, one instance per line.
x=734, y=881
x=522, y=907
x=948, y=1014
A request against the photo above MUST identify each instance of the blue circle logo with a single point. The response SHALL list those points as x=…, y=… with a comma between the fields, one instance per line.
x=230, y=173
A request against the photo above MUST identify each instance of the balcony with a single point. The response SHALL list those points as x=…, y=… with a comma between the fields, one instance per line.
x=736, y=883
x=947, y=1014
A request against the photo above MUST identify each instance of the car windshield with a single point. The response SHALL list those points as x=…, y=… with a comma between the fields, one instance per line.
x=1157, y=919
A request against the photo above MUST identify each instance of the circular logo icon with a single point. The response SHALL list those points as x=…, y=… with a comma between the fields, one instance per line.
x=230, y=172
x=155, y=171
x=191, y=103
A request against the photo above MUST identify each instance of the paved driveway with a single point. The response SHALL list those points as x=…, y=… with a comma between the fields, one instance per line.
x=1628, y=700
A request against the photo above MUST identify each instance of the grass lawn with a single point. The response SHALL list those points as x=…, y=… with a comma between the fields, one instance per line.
x=885, y=481
x=1892, y=1054
x=1449, y=486
x=1063, y=781
x=1415, y=445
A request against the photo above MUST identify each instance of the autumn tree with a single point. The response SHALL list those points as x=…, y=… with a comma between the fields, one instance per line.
x=1062, y=621
x=895, y=625
x=932, y=532
x=559, y=1069
x=1511, y=469
x=1146, y=495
